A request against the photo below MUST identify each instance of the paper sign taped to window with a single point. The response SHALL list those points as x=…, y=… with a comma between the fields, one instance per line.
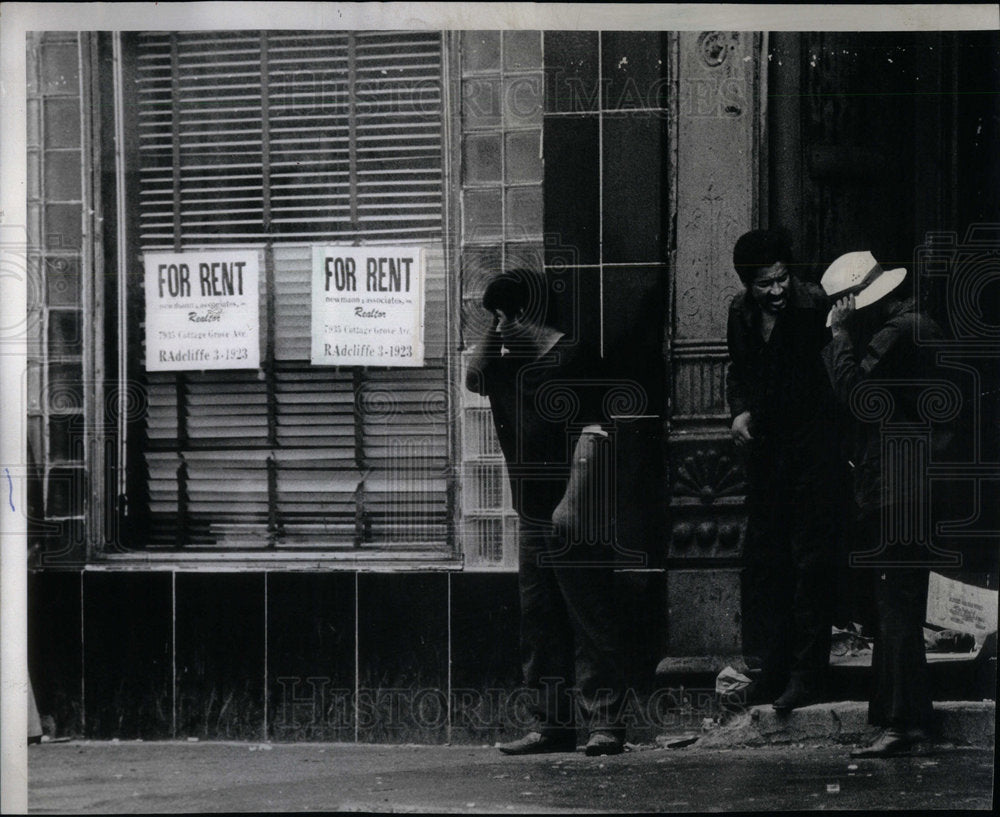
x=368, y=306
x=202, y=310
x=957, y=606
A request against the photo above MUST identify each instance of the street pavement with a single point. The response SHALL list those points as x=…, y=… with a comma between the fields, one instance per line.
x=179, y=776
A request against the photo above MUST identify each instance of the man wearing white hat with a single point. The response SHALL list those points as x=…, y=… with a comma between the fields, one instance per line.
x=783, y=419
x=875, y=327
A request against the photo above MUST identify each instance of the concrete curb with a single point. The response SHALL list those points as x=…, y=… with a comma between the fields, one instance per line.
x=961, y=723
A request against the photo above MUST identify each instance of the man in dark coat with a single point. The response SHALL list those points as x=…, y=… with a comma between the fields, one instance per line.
x=878, y=370
x=546, y=400
x=783, y=418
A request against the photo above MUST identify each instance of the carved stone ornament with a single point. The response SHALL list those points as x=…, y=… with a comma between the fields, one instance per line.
x=707, y=475
x=708, y=534
x=713, y=46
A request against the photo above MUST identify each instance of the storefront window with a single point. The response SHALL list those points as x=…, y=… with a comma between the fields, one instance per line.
x=276, y=142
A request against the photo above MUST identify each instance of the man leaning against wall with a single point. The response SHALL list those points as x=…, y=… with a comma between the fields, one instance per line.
x=545, y=398
x=784, y=422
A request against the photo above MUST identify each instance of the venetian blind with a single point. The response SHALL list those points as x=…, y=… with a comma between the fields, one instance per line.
x=280, y=140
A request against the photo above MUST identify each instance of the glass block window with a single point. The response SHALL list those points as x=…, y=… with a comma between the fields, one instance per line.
x=56, y=411
x=501, y=205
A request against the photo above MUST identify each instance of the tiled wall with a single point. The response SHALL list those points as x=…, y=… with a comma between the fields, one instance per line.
x=55, y=377
x=501, y=178
x=372, y=657
x=598, y=113
x=606, y=137
x=607, y=176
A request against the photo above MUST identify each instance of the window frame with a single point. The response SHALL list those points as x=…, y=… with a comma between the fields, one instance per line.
x=105, y=548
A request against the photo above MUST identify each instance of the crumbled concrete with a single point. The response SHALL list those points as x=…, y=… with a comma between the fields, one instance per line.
x=962, y=723
x=967, y=723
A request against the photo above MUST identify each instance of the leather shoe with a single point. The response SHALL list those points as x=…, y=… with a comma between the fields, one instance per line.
x=535, y=743
x=759, y=692
x=604, y=743
x=796, y=695
x=892, y=742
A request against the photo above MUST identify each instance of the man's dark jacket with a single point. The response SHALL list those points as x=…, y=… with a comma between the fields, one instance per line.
x=782, y=383
x=893, y=361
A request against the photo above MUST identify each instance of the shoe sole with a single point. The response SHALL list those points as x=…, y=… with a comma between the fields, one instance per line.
x=909, y=751
x=603, y=750
x=545, y=751
x=784, y=710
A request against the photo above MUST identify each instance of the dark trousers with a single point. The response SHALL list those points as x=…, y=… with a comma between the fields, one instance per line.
x=901, y=696
x=569, y=631
x=795, y=501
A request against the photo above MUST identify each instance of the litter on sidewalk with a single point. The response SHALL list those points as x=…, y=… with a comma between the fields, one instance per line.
x=729, y=682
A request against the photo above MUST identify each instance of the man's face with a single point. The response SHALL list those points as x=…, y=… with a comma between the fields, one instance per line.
x=510, y=326
x=770, y=288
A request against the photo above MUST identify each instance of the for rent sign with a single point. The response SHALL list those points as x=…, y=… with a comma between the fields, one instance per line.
x=202, y=310
x=368, y=306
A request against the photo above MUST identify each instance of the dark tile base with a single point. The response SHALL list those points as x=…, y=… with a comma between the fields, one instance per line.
x=402, y=658
x=398, y=691
x=55, y=654
x=310, y=656
x=488, y=703
x=220, y=655
x=127, y=665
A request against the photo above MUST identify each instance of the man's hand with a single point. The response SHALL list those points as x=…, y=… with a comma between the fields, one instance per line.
x=841, y=314
x=741, y=429
x=566, y=519
x=484, y=354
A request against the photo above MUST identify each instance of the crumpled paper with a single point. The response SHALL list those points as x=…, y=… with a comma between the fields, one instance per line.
x=849, y=641
x=948, y=641
x=730, y=681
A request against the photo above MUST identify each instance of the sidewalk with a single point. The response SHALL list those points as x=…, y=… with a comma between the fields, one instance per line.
x=186, y=778
x=800, y=763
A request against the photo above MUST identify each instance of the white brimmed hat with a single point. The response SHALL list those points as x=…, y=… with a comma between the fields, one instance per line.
x=858, y=273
